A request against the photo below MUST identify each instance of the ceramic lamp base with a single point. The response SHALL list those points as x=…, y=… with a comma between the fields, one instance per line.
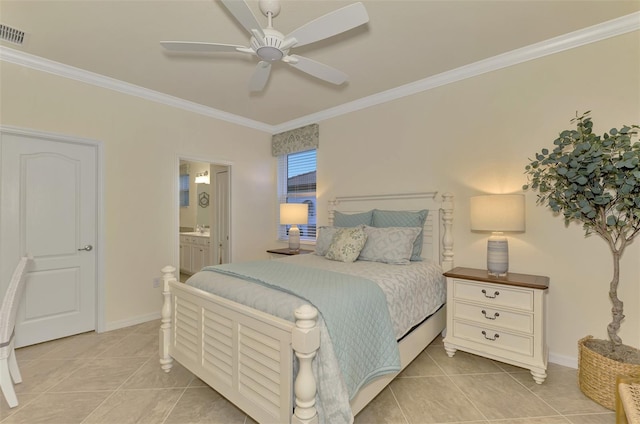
x=497, y=255
x=294, y=239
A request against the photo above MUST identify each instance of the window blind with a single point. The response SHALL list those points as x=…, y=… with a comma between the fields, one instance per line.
x=297, y=184
x=184, y=189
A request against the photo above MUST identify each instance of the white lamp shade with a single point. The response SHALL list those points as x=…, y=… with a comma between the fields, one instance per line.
x=294, y=213
x=498, y=213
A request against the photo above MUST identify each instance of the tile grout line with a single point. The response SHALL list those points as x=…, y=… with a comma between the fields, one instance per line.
x=456, y=386
x=536, y=395
x=395, y=398
x=114, y=391
x=176, y=404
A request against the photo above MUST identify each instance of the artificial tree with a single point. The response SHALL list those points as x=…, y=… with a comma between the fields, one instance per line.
x=594, y=180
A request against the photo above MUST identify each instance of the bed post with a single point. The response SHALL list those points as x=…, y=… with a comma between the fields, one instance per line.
x=305, y=342
x=447, y=236
x=333, y=204
x=166, y=361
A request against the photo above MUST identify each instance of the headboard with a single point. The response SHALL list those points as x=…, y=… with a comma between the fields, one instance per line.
x=438, y=236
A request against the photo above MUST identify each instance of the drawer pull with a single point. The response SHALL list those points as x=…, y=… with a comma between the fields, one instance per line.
x=495, y=315
x=495, y=336
x=495, y=294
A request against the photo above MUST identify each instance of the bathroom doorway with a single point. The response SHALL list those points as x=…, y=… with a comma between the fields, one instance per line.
x=204, y=215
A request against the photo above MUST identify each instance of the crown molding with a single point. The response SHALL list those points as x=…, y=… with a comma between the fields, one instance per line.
x=38, y=63
x=592, y=34
x=595, y=33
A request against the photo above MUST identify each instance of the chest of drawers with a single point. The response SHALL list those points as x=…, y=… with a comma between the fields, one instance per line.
x=499, y=318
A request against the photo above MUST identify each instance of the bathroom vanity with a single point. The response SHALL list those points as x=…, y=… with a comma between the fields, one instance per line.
x=195, y=251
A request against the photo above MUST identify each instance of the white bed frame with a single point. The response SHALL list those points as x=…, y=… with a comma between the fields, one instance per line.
x=247, y=355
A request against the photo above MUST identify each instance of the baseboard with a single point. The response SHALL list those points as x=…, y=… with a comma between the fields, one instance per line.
x=114, y=325
x=567, y=361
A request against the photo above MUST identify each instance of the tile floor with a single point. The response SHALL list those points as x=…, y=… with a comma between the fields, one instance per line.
x=114, y=378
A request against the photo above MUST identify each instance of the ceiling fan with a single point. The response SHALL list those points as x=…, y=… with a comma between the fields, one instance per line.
x=270, y=45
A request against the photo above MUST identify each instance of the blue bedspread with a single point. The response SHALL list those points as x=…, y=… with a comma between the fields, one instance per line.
x=354, y=310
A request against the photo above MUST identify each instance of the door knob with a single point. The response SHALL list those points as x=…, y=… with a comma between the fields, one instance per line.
x=88, y=248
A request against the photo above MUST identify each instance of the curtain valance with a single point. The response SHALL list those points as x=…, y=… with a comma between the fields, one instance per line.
x=298, y=140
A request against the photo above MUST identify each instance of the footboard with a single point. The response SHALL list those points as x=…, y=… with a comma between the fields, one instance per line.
x=244, y=354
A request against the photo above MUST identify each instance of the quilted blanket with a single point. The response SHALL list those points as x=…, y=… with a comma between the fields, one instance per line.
x=354, y=310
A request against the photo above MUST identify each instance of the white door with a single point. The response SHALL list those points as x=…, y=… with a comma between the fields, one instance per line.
x=221, y=201
x=48, y=209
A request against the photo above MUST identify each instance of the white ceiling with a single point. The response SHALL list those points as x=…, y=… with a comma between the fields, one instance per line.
x=404, y=41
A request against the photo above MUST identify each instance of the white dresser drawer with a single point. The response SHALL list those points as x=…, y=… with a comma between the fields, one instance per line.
x=496, y=317
x=499, y=339
x=494, y=295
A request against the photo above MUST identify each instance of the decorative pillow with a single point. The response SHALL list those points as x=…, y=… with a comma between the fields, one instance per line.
x=323, y=241
x=352, y=220
x=383, y=219
x=391, y=245
x=346, y=244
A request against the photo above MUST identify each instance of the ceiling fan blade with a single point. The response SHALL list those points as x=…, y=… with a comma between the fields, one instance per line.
x=192, y=46
x=331, y=24
x=260, y=76
x=318, y=70
x=240, y=10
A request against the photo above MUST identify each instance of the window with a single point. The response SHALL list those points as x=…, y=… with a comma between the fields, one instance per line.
x=184, y=190
x=297, y=184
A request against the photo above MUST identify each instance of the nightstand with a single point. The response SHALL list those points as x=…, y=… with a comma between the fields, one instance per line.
x=501, y=318
x=275, y=253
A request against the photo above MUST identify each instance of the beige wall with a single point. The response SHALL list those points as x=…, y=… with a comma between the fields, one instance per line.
x=474, y=137
x=142, y=141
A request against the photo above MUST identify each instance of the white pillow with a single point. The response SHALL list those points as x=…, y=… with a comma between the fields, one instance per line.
x=346, y=244
x=323, y=241
x=391, y=245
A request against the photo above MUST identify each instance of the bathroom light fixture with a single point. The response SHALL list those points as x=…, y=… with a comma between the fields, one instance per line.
x=294, y=214
x=497, y=213
x=202, y=178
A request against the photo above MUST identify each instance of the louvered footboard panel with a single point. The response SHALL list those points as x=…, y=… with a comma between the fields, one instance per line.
x=185, y=330
x=244, y=354
x=217, y=352
x=259, y=373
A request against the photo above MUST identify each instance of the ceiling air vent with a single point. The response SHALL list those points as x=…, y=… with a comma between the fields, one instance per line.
x=12, y=35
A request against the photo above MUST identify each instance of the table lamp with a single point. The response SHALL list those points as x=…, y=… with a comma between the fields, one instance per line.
x=497, y=213
x=294, y=214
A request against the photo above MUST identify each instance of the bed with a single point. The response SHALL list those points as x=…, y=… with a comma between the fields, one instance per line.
x=268, y=365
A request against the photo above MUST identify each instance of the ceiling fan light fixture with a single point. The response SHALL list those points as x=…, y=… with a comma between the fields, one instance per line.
x=270, y=54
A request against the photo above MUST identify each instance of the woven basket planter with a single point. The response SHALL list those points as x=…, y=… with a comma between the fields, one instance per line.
x=597, y=374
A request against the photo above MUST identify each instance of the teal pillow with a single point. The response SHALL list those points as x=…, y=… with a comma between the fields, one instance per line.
x=324, y=238
x=352, y=220
x=384, y=219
